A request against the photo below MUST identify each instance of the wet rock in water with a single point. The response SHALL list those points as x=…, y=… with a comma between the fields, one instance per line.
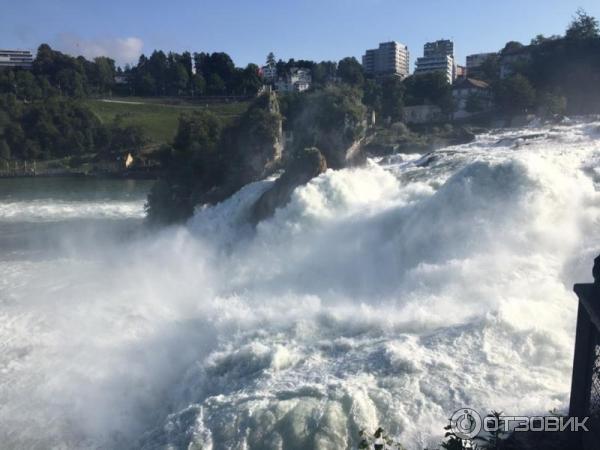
x=426, y=160
x=306, y=165
x=462, y=135
x=522, y=120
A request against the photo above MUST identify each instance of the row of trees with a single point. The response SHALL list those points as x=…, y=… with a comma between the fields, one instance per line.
x=551, y=75
x=55, y=73
x=193, y=75
x=59, y=127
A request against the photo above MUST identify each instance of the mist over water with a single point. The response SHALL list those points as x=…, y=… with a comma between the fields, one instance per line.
x=391, y=294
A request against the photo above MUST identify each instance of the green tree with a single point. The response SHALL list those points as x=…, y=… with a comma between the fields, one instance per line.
x=392, y=98
x=429, y=88
x=583, y=27
x=551, y=104
x=323, y=72
x=372, y=94
x=248, y=82
x=489, y=70
x=198, y=84
x=178, y=79
x=215, y=85
x=158, y=67
x=147, y=85
x=199, y=131
x=70, y=82
x=27, y=86
x=350, y=71
x=514, y=95
x=4, y=150
x=511, y=47
x=541, y=39
x=103, y=74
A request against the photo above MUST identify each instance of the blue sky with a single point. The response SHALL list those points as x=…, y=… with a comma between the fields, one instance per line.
x=304, y=29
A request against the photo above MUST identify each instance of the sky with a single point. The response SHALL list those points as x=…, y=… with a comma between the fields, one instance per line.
x=304, y=29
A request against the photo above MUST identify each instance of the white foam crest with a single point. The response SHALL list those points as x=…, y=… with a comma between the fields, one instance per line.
x=48, y=210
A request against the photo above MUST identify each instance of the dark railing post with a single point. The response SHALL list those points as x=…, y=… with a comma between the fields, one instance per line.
x=585, y=383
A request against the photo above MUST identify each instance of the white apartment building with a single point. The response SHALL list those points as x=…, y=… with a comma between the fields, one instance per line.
x=441, y=47
x=298, y=80
x=437, y=56
x=16, y=58
x=391, y=58
x=440, y=63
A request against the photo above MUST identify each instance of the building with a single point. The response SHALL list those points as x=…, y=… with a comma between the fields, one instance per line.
x=16, y=58
x=437, y=56
x=390, y=59
x=441, y=47
x=476, y=92
x=269, y=74
x=461, y=71
x=419, y=114
x=298, y=80
x=441, y=63
x=475, y=61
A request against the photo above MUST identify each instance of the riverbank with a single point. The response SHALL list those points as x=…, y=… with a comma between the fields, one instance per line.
x=126, y=175
x=141, y=165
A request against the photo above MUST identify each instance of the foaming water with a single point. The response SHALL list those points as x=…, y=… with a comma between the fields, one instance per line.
x=388, y=295
x=58, y=210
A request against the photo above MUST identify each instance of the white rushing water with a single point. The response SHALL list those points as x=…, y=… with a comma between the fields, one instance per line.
x=388, y=295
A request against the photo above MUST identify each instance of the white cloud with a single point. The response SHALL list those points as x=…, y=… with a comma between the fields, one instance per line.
x=122, y=50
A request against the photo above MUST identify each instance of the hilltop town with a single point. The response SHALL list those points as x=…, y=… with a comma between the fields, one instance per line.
x=471, y=90
x=61, y=114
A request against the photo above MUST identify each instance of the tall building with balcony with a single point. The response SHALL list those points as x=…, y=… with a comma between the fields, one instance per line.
x=16, y=58
x=437, y=56
x=441, y=47
x=390, y=59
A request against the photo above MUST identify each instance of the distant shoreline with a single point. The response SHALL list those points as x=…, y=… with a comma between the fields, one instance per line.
x=125, y=175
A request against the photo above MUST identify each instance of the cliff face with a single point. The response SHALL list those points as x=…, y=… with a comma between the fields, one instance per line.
x=208, y=162
x=332, y=120
x=257, y=141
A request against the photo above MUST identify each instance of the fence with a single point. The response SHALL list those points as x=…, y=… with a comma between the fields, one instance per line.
x=585, y=385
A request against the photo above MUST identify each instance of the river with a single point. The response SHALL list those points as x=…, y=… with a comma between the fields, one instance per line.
x=388, y=295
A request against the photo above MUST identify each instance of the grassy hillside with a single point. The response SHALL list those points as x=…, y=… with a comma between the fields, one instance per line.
x=158, y=116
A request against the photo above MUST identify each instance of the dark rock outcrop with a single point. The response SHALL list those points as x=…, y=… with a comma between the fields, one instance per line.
x=333, y=120
x=306, y=165
x=255, y=143
x=399, y=139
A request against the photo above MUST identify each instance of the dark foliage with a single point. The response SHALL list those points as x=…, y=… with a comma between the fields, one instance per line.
x=208, y=161
x=59, y=127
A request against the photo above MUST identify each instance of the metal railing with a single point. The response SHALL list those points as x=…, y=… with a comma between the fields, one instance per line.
x=585, y=384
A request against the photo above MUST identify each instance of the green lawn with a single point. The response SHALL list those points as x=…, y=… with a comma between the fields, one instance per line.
x=159, y=116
